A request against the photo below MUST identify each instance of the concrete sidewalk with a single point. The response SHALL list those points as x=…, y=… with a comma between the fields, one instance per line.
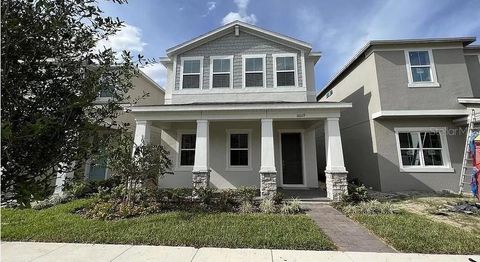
x=35, y=251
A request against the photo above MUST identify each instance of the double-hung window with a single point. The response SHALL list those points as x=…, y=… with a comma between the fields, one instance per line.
x=421, y=69
x=238, y=154
x=285, y=72
x=221, y=71
x=187, y=149
x=192, y=68
x=423, y=150
x=254, y=71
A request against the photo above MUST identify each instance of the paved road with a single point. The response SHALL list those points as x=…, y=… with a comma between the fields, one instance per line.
x=344, y=232
x=52, y=252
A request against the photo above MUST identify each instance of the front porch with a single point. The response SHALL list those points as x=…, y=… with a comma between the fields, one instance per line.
x=264, y=145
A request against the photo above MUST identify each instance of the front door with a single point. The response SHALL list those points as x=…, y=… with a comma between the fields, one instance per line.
x=292, y=162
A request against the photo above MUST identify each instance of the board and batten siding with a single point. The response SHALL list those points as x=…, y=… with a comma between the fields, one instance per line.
x=237, y=46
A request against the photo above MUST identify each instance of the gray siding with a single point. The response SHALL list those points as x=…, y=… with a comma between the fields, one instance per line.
x=473, y=66
x=232, y=45
x=393, y=82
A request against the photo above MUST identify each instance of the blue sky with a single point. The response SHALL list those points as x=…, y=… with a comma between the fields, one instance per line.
x=337, y=28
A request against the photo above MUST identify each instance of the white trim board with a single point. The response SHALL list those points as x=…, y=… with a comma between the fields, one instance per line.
x=469, y=100
x=393, y=113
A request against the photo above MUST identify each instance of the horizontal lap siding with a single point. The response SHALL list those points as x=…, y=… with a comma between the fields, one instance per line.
x=238, y=45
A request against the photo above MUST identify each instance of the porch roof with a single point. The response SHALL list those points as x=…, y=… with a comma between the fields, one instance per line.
x=239, y=110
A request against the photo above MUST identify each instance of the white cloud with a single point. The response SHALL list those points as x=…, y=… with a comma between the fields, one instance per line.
x=211, y=6
x=128, y=38
x=157, y=72
x=241, y=14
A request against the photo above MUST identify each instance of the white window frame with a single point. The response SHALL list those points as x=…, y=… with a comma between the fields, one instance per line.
x=191, y=58
x=275, y=71
x=447, y=166
x=249, y=150
x=433, y=71
x=230, y=57
x=179, y=166
x=264, y=71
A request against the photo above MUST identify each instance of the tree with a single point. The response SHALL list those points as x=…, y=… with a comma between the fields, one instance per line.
x=136, y=165
x=51, y=74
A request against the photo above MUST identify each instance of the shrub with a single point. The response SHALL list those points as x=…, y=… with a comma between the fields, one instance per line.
x=246, y=207
x=246, y=193
x=291, y=207
x=267, y=206
x=205, y=195
x=278, y=198
x=227, y=199
x=356, y=194
x=373, y=207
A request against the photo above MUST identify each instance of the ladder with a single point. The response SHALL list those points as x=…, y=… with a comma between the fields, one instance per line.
x=467, y=163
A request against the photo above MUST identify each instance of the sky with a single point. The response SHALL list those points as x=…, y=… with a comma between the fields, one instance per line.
x=337, y=28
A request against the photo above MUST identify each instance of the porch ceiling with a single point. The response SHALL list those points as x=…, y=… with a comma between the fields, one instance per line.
x=240, y=111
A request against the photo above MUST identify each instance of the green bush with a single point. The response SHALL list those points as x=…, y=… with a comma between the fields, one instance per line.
x=246, y=207
x=246, y=193
x=206, y=195
x=226, y=199
x=291, y=207
x=356, y=194
x=267, y=206
x=278, y=198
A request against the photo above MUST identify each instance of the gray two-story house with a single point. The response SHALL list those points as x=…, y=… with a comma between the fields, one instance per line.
x=406, y=130
x=240, y=110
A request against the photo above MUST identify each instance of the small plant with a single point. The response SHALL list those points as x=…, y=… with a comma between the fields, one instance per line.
x=246, y=193
x=227, y=199
x=246, y=207
x=267, y=206
x=205, y=195
x=291, y=207
x=278, y=198
x=356, y=194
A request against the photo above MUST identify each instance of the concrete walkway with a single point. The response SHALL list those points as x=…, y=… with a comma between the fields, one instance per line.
x=345, y=233
x=51, y=252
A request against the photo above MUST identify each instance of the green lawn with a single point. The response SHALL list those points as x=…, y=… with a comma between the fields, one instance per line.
x=409, y=232
x=58, y=224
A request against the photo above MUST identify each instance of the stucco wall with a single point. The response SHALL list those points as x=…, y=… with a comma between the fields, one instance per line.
x=473, y=66
x=393, y=81
x=220, y=177
x=388, y=163
x=361, y=89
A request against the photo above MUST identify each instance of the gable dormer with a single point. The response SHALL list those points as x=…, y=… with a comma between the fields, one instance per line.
x=240, y=63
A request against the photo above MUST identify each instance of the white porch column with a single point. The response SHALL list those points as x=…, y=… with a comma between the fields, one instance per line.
x=268, y=172
x=61, y=179
x=201, y=170
x=142, y=132
x=335, y=172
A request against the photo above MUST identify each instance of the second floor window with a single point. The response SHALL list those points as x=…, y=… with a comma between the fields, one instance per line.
x=254, y=75
x=420, y=67
x=191, y=73
x=221, y=75
x=284, y=70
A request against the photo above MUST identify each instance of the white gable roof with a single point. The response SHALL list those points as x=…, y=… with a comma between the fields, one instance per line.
x=229, y=28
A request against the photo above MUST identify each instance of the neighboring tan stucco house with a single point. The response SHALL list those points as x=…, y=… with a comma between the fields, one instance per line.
x=240, y=110
x=406, y=130
x=150, y=93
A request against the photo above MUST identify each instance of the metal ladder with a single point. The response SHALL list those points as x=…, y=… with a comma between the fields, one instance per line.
x=467, y=164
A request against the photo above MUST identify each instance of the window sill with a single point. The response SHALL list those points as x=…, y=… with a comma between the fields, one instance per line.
x=427, y=170
x=432, y=84
x=238, y=169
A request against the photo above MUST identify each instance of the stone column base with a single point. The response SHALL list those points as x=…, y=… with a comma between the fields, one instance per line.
x=200, y=180
x=336, y=182
x=268, y=184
